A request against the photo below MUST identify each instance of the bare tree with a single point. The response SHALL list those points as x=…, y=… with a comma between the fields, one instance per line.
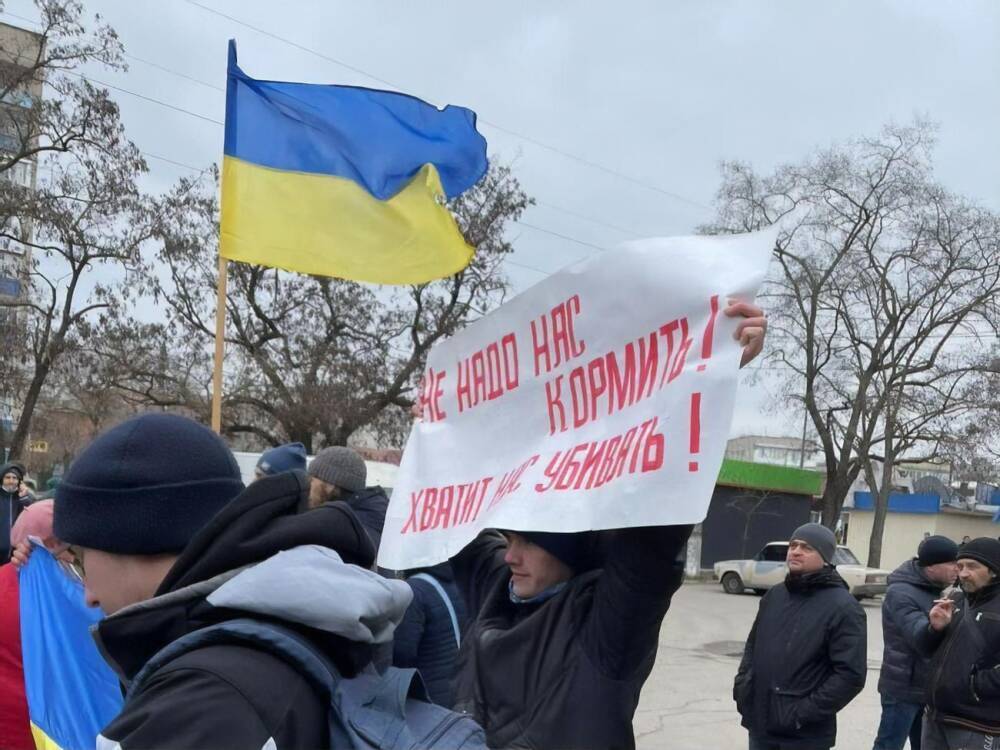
x=749, y=504
x=974, y=448
x=72, y=112
x=315, y=359
x=90, y=222
x=47, y=108
x=878, y=271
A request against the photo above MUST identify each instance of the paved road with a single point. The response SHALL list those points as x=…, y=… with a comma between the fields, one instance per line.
x=687, y=702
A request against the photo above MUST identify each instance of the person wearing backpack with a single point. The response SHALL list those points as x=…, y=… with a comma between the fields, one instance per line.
x=205, y=585
x=430, y=634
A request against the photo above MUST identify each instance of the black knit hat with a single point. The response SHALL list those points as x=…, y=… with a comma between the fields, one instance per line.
x=985, y=549
x=575, y=549
x=146, y=486
x=936, y=549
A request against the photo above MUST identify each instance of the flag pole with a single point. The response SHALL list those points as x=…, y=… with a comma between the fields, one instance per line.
x=220, y=345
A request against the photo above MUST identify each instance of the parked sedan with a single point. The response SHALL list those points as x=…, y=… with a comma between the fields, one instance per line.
x=767, y=568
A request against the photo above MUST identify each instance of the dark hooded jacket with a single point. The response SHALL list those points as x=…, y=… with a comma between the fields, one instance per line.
x=370, y=506
x=10, y=508
x=256, y=558
x=805, y=659
x=426, y=638
x=964, y=686
x=909, y=598
x=566, y=672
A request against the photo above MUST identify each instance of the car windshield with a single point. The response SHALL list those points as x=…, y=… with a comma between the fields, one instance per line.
x=844, y=556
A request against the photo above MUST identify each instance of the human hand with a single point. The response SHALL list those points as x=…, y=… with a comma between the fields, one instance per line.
x=941, y=614
x=751, y=330
x=19, y=557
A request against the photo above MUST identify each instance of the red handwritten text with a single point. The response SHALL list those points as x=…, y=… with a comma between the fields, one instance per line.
x=442, y=507
x=590, y=465
x=554, y=337
x=612, y=382
x=488, y=373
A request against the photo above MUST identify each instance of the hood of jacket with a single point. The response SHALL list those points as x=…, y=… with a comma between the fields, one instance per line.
x=3, y=470
x=260, y=557
x=910, y=572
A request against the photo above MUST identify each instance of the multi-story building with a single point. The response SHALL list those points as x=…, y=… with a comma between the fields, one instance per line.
x=778, y=451
x=20, y=97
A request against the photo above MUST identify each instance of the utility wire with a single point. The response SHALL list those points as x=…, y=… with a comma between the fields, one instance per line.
x=516, y=134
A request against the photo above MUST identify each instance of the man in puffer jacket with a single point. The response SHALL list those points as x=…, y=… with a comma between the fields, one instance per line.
x=168, y=544
x=963, y=694
x=430, y=634
x=806, y=657
x=902, y=683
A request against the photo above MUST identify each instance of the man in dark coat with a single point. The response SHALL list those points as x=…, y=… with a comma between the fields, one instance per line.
x=963, y=693
x=563, y=637
x=902, y=683
x=430, y=634
x=166, y=558
x=339, y=473
x=806, y=657
x=13, y=499
x=281, y=458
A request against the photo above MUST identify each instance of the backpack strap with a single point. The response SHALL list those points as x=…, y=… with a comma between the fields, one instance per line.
x=366, y=711
x=447, y=603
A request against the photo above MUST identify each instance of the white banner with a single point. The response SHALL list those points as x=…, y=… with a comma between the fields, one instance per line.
x=599, y=398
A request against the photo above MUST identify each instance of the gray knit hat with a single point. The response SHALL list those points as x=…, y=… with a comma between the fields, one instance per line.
x=819, y=537
x=341, y=467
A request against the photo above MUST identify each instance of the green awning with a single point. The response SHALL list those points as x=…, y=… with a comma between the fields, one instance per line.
x=769, y=477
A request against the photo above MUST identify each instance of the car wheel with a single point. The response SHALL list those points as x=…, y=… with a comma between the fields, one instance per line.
x=732, y=583
x=760, y=592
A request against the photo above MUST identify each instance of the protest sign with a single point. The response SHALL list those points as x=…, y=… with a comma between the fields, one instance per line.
x=599, y=398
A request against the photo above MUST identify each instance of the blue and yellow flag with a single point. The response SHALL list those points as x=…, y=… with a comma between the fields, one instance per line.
x=345, y=181
x=72, y=693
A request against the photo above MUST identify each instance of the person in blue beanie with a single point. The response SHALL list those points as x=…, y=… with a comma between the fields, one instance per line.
x=168, y=543
x=287, y=457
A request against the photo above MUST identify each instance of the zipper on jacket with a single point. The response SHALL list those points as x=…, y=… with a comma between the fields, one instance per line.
x=937, y=673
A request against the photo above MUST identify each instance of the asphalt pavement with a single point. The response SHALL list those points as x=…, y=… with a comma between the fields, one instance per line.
x=687, y=702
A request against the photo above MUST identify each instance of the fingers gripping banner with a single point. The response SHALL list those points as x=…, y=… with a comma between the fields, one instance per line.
x=599, y=398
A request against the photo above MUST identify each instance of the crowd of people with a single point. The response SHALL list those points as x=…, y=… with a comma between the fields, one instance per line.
x=806, y=656
x=255, y=617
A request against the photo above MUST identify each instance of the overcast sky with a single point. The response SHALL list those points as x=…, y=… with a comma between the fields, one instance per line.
x=615, y=115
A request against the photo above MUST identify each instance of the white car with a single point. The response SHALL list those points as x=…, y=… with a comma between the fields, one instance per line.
x=768, y=568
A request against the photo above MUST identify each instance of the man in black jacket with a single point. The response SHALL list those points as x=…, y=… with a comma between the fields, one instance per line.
x=339, y=473
x=565, y=635
x=806, y=657
x=167, y=545
x=565, y=627
x=963, y=694
x=902, y=683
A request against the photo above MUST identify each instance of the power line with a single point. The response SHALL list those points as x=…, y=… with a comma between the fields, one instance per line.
x=495, y=126
x=146, y=98
x=199, y=116
x=559, y=235
x=591, y=219
x=185, y=76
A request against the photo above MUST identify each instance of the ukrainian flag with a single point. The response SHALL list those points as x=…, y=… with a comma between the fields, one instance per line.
x=72, y=693
x=345, y=181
